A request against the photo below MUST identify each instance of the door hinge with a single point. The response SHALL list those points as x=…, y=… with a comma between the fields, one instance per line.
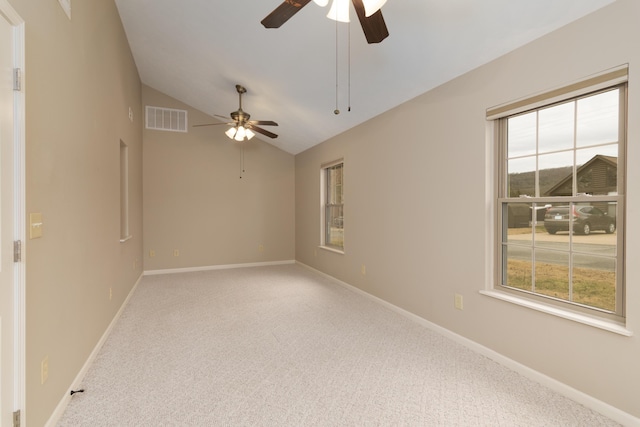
x=17, y=251
x=16, y=419
x=17, y=79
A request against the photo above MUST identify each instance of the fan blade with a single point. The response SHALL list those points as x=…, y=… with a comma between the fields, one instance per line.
x=262, y=122
x=214, y=124
x=375, y=30
x=282, y=13
x=262, y=131
x=222, y=117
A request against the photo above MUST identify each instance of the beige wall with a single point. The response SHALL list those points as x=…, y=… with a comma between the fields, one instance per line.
x=80, y=80
x=416, y=203
x=196, y=202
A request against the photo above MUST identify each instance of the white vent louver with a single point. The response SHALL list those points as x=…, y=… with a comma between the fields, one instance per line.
x=169, y=119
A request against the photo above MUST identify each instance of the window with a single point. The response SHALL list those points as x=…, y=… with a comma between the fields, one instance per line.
x=560, y=200
x=333, y=205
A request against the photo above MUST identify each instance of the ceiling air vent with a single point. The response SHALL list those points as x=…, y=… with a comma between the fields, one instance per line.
x=168, y=119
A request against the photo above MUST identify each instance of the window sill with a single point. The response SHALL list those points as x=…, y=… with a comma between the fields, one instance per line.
x=330, y=249
x=576, y=317
x=124, y=239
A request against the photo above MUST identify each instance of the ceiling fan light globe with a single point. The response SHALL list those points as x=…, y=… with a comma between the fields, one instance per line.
x=339, y=11
x=321, y=3
x=249, y=134
x=240, y=134
x=231, y=132
x=372, y=6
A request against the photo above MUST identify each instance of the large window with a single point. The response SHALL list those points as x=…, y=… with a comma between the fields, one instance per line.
x=560, y=201
x=333, y=205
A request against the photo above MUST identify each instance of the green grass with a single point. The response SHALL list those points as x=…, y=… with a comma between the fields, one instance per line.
x=595, y=288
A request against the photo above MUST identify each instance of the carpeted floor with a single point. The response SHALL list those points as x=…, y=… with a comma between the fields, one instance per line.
x=283, y=346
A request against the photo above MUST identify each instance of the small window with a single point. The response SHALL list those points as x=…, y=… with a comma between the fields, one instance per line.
x=561, y=185
x=333, y=206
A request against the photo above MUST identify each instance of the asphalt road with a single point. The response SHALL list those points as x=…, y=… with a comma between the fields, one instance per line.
x=592, y=251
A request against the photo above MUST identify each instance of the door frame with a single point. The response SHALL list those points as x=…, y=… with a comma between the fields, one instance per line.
x=19, y=191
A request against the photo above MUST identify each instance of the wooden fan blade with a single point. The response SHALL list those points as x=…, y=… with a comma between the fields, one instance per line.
x=262, y=131
x=375, y=30
x=263, y=122
x=213, y=124
x=282, y=13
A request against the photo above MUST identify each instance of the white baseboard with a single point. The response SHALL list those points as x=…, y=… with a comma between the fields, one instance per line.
x=591, y=402
x=62, y=405
x=216, y=267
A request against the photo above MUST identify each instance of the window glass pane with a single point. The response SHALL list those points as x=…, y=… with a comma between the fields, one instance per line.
x=556, y=174
x=552, y=273
x=594, y=281
x=519, y=221
x=334, y=226
x=334, y=180
x=555, y=128
x=522, y=135
x=521, y=177
x=554, y=233
x=597, y=170
x=597, y=119
x=595, y=228
x=518, y=262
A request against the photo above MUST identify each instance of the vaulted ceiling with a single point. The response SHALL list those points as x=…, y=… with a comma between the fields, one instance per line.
x=198, y=50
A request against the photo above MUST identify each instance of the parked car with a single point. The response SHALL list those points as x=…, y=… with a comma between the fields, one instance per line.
x=585, y=220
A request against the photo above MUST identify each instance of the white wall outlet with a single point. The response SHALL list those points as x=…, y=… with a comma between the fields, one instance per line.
x=35, y=225
x=260, y=248
x=176, y=252
x=152, y=253
x=110, y=294
x=363, y=270
x=458, y=302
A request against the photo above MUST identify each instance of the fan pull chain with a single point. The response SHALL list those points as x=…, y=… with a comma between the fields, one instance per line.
x=241, y=160
x=349, y=69
x=336, y=111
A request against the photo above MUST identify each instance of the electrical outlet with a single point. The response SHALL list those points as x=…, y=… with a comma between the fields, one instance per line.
x=44, y=370
x=363, y=270
x=152, y=253
x=35, y=225
x=458, y=302
x=110, y=294
x=260, y=248
x=176, y=252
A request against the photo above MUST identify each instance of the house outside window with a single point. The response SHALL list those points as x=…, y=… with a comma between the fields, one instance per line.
x=333, y=206
x=560, y=205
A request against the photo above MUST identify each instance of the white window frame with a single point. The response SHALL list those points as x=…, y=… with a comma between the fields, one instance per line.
x=324, y=202
x=496, y=117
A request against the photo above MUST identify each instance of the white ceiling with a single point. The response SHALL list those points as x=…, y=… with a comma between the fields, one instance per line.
x=198, y=50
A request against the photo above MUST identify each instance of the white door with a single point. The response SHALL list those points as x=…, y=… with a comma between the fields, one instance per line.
x=7, y=285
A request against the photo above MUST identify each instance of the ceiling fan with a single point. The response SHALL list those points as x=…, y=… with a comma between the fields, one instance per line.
x=368, y=11
x=241, y=127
